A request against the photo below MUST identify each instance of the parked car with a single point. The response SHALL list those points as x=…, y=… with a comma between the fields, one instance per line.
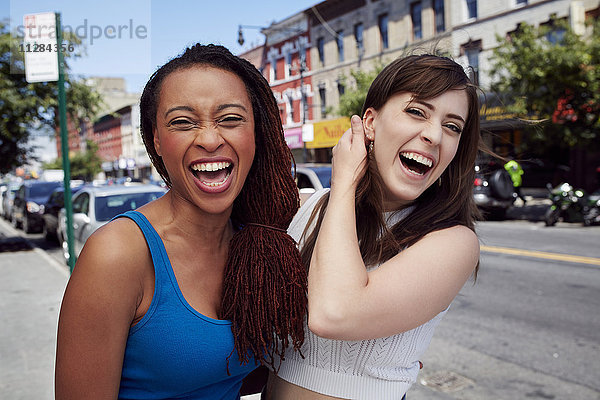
x=28, y=204
x=312, y=177
x=8, y=197
x=50, y=212
x=94, y=206
x=493, y=190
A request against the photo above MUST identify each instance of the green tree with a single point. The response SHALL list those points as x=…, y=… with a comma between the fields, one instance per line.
x=84, y=165
x=25, y=107
x=551, y=74
x=352, y=100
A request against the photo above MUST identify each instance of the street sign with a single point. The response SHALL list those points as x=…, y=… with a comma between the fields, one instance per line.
x=40, y=47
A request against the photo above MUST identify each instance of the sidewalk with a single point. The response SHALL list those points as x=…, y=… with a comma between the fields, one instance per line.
x=31, y=289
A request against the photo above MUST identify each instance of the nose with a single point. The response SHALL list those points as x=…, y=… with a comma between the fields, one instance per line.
x=209, y=138
x=432, y=134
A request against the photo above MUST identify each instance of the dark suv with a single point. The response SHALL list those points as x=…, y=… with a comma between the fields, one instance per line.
x=493, y=190
x=28, y=204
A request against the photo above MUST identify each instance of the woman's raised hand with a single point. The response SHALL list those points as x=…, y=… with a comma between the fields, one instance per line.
x=350, y=156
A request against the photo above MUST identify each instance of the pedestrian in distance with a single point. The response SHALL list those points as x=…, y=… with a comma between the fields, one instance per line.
x=515, y=171
x=185, y=296
x=393, y=242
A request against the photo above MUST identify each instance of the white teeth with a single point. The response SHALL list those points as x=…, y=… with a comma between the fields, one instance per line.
x=418, y=158
x=214, y=166
x=215, y=184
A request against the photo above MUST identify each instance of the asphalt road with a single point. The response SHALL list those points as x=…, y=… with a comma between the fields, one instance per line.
x=527, y=329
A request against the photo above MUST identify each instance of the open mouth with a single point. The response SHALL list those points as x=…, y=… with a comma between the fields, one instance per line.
x=416, y=163
x=212, y=174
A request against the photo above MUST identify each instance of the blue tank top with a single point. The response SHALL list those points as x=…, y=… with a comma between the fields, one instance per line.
x=174, y=351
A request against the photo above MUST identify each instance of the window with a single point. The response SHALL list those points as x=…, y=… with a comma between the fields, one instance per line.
x=471, y=50
x=471, y=9
x=358, y=35
x=415, y=15
x=555, y=32
x=438, y=9
x=288, y=64
x=382, y=21
x=340, y=45
x=473, y=57
x=80, y=204
x=341, y=88
x=521, y=2
x=323, y=103
x=290, y=111
x=273, y=70
x=321, y=49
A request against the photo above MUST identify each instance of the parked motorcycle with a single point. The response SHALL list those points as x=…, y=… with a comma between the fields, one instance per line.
x=567, y=204
x=591, y=209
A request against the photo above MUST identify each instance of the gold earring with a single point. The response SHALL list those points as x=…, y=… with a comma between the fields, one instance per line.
x=440, y=181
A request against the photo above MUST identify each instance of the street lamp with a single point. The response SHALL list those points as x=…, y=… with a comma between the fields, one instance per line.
x=241, y=40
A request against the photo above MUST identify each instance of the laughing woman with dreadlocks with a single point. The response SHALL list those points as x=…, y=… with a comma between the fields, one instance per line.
x=185, y=296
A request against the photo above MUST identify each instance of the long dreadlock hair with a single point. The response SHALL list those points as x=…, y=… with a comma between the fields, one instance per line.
x=264, y=287
x=442, y=205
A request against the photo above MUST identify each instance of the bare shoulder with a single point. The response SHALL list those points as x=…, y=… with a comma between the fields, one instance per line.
x=456, y=248
x=115, y=258
x=119, y=240
x=457, y=234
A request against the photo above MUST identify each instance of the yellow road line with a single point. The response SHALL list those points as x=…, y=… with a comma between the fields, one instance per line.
x=542, y=254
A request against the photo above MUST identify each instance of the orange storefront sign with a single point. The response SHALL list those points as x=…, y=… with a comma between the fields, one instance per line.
x=327, y=133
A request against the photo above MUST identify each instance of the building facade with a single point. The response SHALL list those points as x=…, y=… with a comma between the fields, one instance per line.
x=286, y=66
x=349, y=35
x=360, y=34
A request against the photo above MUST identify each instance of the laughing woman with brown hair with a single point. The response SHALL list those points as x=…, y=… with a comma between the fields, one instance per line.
x=392, y=243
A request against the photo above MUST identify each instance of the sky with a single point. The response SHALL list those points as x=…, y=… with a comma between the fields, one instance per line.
x=132, y=38
x=151, y=33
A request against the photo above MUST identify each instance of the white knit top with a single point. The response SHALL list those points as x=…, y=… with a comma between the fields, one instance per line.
x=365, y=369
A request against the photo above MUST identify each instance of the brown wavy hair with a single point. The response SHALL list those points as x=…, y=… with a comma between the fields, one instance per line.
x=440, y=206
x=264, y=288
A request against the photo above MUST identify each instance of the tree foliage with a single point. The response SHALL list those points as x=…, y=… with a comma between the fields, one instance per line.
x=84, y=165
x=24, y=107
x=550, y=73
x=351, y=102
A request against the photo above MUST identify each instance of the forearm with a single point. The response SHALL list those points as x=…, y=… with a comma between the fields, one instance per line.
x=337, y=273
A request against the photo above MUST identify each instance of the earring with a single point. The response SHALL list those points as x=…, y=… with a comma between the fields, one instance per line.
x=371, y=140
x=440, y=181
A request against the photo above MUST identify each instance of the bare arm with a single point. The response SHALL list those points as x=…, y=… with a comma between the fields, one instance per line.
x=98, y=308
x=347, y=302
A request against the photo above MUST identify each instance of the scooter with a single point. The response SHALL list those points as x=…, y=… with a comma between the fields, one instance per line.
x=591, y=209
x=567, y=204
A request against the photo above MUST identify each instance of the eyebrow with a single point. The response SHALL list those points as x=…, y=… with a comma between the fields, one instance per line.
x=230, y=105
x=432, y=108
x=219, y=108
x=178, y=108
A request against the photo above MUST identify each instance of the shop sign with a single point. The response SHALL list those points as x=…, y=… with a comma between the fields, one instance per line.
x=327, y=133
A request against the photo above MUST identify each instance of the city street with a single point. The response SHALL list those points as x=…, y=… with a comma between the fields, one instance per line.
x=528, y=329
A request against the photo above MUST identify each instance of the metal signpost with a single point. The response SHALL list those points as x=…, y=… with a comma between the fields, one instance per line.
x=44, y=62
